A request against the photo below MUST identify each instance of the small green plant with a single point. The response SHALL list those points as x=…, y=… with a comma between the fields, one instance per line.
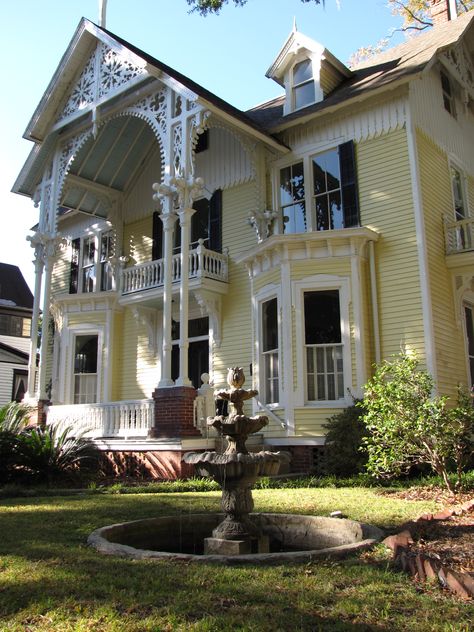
x=345, y=432
x=13, y=418
x=409, y=426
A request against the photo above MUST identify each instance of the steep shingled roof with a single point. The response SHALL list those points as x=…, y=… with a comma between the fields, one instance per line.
x=396, y=64
x=14, y=288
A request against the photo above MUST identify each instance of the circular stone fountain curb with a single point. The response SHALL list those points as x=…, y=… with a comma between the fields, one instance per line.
x=271, y=523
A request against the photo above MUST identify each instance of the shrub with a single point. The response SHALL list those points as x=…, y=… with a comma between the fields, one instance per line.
x=345, y=431
x=408, y=426
x=13, y=418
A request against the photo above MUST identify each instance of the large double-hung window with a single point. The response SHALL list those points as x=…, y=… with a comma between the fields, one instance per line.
x=331, y=195
x=323, y=346
x=269, y=374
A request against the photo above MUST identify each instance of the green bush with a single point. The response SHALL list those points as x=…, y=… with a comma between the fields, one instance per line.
x=345, y=432
x=13, y=418
x=409, y=426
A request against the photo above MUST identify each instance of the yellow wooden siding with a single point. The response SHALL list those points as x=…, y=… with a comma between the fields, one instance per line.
x=237, y=236
x=138, y=369
x=437, y=203
x=367, y=314
x=310, y=421
x=386, y=205
x=273, y=276
x=137, y=240
x=117, y=357
x=61, y=271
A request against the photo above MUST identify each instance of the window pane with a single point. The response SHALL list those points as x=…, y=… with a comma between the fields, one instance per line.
x=303, y=71
x=304, y=94
x=322, y=317
x=270, y=325
x=322, y=215
x=458, y=195
x=335, y=210
x=326, y=171
x=294, y=219
x=85, y=356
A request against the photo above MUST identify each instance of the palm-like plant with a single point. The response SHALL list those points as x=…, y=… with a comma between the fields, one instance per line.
x=55, y=452
x=14, y=418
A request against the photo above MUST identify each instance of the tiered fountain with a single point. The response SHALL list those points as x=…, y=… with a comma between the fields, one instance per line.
x=238, y=537
x=236, y=472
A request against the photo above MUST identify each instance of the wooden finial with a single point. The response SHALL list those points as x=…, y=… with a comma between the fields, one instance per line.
x=102, y=13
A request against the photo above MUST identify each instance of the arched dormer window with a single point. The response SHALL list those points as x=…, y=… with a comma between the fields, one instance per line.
x=303, y=92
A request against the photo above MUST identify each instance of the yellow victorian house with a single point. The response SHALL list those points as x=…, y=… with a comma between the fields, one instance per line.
x=304, y=240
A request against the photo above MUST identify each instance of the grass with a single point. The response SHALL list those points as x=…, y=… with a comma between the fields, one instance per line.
x=50, y=579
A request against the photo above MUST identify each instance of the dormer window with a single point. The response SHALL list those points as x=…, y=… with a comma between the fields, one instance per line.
x=303, y=84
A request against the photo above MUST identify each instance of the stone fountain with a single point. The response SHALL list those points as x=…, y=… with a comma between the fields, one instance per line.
x=241, y=537
x=236, y=471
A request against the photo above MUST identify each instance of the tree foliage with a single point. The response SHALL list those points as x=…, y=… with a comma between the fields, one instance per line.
x=206, y=7
x=409, y=426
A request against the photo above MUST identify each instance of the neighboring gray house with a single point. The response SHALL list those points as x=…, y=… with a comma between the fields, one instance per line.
x=16, y=306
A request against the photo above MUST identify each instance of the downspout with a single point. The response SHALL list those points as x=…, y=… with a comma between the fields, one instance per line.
x=375, y=302
x=421, y=247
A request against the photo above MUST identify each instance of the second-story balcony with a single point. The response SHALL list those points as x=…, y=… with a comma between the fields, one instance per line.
x=206, y=268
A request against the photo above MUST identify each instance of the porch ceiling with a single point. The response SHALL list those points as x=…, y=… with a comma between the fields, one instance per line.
x=109, y=162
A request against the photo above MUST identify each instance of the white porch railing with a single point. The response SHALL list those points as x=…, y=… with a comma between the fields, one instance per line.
x=131, y=418
x=459, y=235
x=203, y=263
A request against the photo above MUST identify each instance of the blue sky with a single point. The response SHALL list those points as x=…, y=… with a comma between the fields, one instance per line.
x=228, y=54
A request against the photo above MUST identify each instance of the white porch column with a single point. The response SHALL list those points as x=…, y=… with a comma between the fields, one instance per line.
x=188, y=189
x=49, y=257
x=165, y=194
x=185, y=215
x=39, y=265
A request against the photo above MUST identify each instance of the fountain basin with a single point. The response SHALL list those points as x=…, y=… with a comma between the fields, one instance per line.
x=293, y=537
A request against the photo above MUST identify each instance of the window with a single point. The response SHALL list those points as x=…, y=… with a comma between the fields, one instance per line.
x=91, y=267
x=18, y=326
x=292, y=199
x=323, y=346
x=206, y=224
x=469, y=315
x=463, y=234
x=269, y=355
x=303, y=84
x=448, y=96
x=85, y=369
x=198, y=350
x=20, y=385
x=333, y=199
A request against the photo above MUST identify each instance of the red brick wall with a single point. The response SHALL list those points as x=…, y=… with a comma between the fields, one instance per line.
x=146, y=465
x=440, y=11
x=174, y=413
x=301, y=458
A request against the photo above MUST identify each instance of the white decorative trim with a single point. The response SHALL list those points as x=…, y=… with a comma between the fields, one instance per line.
x=148, y=317
x=211, y=305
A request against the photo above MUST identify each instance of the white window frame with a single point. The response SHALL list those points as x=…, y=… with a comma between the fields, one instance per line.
x=96, y=233
x=321, y=282
x=463, y=234
x=68, y=349
x=294, y=85
x=448, y=96
x=265, y=294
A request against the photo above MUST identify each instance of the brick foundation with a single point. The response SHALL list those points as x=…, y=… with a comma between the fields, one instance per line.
x=174, y=413
x=145, y=465
x=42, y=412
x=301, y=458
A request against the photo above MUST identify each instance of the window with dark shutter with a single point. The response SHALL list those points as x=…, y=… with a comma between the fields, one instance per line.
x=350, y=201
x=74, y=271
x=215, y=221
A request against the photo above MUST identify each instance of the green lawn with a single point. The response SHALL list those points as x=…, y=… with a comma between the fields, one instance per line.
x=50, y=579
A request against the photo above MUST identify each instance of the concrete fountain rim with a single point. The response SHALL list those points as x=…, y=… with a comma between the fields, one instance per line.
x=98, y=541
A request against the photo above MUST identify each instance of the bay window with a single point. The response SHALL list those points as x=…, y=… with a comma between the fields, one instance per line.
x=85, y=369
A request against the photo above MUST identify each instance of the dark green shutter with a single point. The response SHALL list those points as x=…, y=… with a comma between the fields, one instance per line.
x=215, y=221
x=350, y=201
x=157, y=230
x=74, y=271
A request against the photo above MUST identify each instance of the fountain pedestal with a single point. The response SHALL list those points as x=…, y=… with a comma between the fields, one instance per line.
x=236, y=472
